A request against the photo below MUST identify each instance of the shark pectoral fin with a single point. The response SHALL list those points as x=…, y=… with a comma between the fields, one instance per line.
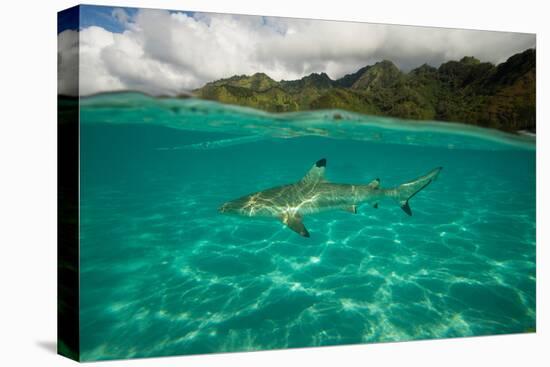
x=295, y=223
x=351, y=209
x=374, y=184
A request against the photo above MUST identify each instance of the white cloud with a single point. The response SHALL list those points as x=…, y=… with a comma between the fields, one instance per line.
x=67, y=62
x=168, y=53
x=120, y=15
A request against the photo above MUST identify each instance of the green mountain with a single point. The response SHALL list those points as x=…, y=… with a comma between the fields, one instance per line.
x=480, y=93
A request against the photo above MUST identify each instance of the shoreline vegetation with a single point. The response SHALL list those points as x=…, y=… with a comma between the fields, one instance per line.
x=468, y=91
x=136, y=107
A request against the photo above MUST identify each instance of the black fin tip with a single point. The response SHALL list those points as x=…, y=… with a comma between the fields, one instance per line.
x=407, y=209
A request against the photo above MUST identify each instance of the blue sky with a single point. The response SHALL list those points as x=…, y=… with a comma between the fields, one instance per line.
x=102, y=16
x=97, y=15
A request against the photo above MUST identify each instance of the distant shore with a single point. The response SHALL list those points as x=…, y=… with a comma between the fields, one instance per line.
x=469, y=91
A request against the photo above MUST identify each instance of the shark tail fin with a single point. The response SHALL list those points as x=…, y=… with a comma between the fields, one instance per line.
x=404, y=192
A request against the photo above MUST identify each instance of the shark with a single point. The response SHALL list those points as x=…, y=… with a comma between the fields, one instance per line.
x=313, y=193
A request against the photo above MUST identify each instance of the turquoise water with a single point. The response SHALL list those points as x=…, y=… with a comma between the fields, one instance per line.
x=163, y=273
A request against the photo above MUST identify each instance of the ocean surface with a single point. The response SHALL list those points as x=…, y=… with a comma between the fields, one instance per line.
x=163, y=273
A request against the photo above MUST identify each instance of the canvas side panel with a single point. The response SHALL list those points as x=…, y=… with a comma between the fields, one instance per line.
x=68, y=340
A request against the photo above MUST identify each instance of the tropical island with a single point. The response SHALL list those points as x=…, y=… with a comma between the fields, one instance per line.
x=480, y=93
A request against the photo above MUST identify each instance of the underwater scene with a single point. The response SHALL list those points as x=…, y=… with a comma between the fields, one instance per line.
x=165, y=271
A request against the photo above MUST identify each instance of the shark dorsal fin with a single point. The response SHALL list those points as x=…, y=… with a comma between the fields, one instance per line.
x=316, y=174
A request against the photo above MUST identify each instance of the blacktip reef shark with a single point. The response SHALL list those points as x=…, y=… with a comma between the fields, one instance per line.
x=314, y=194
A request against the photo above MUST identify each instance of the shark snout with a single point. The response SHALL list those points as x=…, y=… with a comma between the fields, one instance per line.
x=227, y=208
x=222, y=208
x=231, y=207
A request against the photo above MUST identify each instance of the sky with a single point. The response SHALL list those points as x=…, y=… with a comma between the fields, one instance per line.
x=171, y=52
